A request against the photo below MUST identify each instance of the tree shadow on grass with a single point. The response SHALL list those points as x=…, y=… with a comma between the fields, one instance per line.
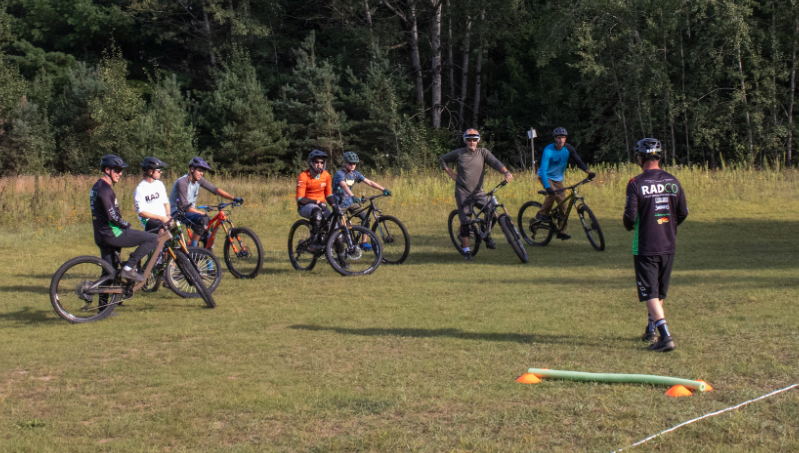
x=35, y=289
x=480, y=336
x=27, y=316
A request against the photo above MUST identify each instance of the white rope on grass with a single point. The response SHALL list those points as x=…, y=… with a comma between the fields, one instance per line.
x=706, y=416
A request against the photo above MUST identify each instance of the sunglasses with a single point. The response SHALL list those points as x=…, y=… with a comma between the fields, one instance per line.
x=472, y=140
x=320, y=161
x=117, y=170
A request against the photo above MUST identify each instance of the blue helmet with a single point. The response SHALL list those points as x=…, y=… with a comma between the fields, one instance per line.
x=199, y=162
x=112, y=161
x=559, y=131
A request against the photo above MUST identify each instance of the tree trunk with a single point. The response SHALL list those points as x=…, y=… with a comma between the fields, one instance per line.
x=451, y=61
x=209, y=41
x=789, y=159
x=435, y=43
x=368, y=14
x=685, y=103
x=478, y=84
x=746, y=104
x=464, y=74
x=668, y=96
x=415, y=61
x=623, y=116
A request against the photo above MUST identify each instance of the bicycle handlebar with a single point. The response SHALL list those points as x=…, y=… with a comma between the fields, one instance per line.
x=584, y=181
x=217, y=207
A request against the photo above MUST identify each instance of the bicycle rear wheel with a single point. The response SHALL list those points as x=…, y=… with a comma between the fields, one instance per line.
x=591, y=227
x=396, y=242
x=454, y=234
x=207, y=267
x=534, y=232
x=513, y=237
x=299, y=240
x=193, y=278
x=244, y=255
x=353, y=260
x=74, y=287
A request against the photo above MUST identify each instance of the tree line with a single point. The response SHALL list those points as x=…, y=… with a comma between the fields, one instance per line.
x=253, y=86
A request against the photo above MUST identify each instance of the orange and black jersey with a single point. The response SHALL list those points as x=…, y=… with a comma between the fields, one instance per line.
x=655, y=206
x=315, y=188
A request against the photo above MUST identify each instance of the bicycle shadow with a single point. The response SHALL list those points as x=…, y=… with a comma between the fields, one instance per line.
x=28, y=316
x=462, y=335
x=35, y=289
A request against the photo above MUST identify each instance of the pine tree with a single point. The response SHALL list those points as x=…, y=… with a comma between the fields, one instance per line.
x=165, y=130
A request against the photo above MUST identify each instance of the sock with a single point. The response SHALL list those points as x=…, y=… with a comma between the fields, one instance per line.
x=466, y=250
x=661, y=326
x=650, y=327
x=194, y=243
x=127, y=268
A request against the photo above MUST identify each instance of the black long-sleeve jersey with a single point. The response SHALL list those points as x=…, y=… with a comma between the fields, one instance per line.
x=106, y=218
x=655, y=206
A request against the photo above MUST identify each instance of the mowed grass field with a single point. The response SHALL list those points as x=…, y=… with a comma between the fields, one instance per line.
x=420, y=357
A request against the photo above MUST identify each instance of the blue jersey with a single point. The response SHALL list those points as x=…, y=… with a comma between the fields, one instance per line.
x=350, y=179
x=553, y=163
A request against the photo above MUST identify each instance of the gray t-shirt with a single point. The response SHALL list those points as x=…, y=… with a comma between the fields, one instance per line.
x=471, y=167
x=184, y=192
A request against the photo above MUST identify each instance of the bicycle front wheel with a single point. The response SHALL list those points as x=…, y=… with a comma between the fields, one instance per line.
x=455, y=233
x=351, y=260
x=244, y=255
x=513, y=237
x=591, y=227
x=534, y=232
x=207, y=267
x=300, y=239
x=77, y=295
x=193, y=278
x=396, y=242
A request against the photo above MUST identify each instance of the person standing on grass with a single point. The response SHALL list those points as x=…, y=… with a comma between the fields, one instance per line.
x=152, y=202
x=185, y=192
x=553, y=164
x=469, y=191
x=344, y=180
x=654, y=208
x=111, y=233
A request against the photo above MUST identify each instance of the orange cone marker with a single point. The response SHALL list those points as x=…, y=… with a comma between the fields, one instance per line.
x=708, y=388
x=528, y=378
x=678, y=391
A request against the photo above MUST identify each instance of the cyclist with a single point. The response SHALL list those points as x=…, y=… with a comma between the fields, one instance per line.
x=469, y=192
x=111, y=233
x=654, y=208
x=314, y=185
x=152, y=202
x=344, y=180
x=553, y=164
x=185, y=192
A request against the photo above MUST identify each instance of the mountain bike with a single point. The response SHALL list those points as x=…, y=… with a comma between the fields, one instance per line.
x=78, y=281
x=341, y=244
x=484, y=220
x=396, y=242
x=243, y=252
x=537, y=232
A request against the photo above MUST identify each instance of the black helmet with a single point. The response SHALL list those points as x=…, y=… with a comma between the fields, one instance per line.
x=199, y=162
x=316, y=154
x=648, y=148
x=351, y=158
x=152, y=163
x=112, y=161
x=559, y=131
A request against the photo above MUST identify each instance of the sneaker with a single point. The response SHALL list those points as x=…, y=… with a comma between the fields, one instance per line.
x=343, y=262
x=543, y=218
x=649, y=336
x=563, y=236
x=662, y=345
x=131, y=275
x=367, y=247
x=490, y=243
x=467, y=256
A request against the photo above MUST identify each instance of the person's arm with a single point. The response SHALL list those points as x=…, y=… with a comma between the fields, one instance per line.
x=543, y=170
x=182, y=197
x=107, y=198
x=301, y=187
x=631, y=206
x=448, y=158
x=494, y=163
x=371, y=183
x=682, y=207
x=573, y=154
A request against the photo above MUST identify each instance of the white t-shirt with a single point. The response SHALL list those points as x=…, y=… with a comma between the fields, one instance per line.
x=151, y=197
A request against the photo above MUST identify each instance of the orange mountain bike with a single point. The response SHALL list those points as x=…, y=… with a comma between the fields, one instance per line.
x=244, y=255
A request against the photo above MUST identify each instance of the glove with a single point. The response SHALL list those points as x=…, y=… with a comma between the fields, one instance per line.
x=550, y=191
x=239, y=200
x=386, y=192
x=591, y=175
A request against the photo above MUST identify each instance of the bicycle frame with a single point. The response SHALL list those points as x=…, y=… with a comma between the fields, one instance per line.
x=163, y=237
x=489, y=209
x=572, y=199
x=371, y=211
x=221, y=218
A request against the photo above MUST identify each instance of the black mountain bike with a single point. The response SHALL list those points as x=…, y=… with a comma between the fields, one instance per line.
x=480, y=227
x=396, y=242
x=333, y=239
x=536, y=232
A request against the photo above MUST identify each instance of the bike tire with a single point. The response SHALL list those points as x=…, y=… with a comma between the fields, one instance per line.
x=592, y=229
x=454, y=226
x=299, y=239
x=210, y=270
x=154, y=280
x=65, y=285
x=513, y=237
x=394, y=251
x=355, y=266
x=532, y=231
x=243, y=263
x=187, y=268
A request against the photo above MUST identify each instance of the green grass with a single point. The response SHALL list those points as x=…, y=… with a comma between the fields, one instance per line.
x=420, y=357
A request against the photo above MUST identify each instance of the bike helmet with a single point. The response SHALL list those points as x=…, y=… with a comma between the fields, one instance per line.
x=351, y=158
x=199, y=162
x=471, y=133
x=316, y=154
x=560, y=131
x=152, y=163
x=648, y=148
x=112, y=161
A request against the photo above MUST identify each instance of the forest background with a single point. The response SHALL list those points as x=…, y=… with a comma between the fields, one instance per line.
x=253, y=86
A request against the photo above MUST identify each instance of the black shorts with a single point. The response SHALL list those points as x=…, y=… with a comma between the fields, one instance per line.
x=652, y=276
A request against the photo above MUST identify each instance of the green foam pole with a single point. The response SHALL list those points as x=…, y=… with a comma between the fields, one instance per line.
x=613, y=377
